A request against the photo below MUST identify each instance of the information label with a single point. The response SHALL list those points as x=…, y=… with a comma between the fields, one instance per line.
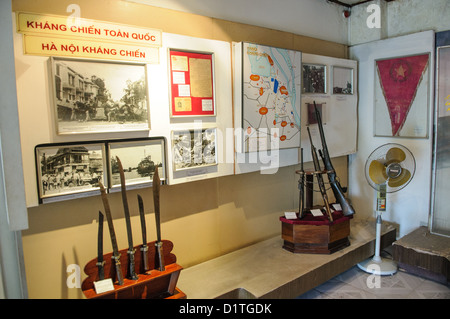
x=34, y=23
x=40, y=45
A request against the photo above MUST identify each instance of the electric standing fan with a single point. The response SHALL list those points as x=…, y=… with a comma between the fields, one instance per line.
x=389, y=168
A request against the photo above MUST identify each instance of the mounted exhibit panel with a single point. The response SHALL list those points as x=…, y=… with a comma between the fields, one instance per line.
x=270, y=91
x=191, y=76
x=332, y=85
x=70, y=101
x=267, y=99
x=75, y=170
x=192, y=88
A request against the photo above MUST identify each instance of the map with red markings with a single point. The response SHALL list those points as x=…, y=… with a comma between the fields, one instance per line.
x=271, y=97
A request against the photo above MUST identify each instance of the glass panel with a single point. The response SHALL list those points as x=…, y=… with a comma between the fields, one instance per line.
x=441, y=213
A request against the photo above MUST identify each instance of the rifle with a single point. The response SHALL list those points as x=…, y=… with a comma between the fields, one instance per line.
x=338, y=192
x=318, y=174
x=301, y=187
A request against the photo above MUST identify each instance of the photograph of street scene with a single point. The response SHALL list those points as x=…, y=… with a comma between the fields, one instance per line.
x=99, y=96
x=69, y=169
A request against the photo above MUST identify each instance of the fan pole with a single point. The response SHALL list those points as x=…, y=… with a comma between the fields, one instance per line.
x=378, y=265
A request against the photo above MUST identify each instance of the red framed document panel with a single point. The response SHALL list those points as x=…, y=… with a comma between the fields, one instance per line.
x=191, y=76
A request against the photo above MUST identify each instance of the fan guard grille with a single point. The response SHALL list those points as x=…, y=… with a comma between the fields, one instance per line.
x=391, y=163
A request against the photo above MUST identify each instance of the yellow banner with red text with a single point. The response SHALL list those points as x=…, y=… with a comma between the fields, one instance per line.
x=78, y=37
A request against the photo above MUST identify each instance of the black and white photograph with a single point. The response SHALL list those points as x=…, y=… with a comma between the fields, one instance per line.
x=69, y=169
x=99, y=96
x=194, y=148
x=314, y=78
x=342, y=80
x=139, y=158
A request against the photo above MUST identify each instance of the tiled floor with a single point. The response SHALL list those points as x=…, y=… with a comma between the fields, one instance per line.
x=357, y=284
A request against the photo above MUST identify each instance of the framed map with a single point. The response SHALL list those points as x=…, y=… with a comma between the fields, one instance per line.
x=271, y=97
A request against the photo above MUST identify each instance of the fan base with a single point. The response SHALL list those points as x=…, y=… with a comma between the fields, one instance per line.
x=379, y=266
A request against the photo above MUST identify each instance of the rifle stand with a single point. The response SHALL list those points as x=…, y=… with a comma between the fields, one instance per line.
x=309, y=185
x=151, y=284
x=316, y=235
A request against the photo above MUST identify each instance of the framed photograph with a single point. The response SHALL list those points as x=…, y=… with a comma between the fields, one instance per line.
x=140, y=158
x=401, y=96
x=191, y=86
x=194, y=148
x=311, y=118
x=271, y=97
x=99, y=96
x=342, y=80
x=69, y=170
x=314, y=78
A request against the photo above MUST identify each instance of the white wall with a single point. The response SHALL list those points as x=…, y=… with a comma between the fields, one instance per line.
x=296, y=16
x=410, y=206
x=400, y=17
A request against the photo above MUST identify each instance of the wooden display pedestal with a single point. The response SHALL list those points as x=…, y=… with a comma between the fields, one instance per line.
x=151, y=284
x=424, y=254
x=315, y=235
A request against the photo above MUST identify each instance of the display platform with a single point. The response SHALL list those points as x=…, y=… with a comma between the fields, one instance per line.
x=266, y=270
x=316, y=234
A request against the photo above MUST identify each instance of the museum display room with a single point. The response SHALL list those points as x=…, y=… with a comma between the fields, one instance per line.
x=240, y=150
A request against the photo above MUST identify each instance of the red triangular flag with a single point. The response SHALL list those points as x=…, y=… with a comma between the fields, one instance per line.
x=399, y=80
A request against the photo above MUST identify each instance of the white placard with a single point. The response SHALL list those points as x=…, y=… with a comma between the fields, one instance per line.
x=316, y=212
x=104, y=285
x=337, y=206
x=290, y=215
x=178, y=78
x=207, y=105
x=184, y=90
